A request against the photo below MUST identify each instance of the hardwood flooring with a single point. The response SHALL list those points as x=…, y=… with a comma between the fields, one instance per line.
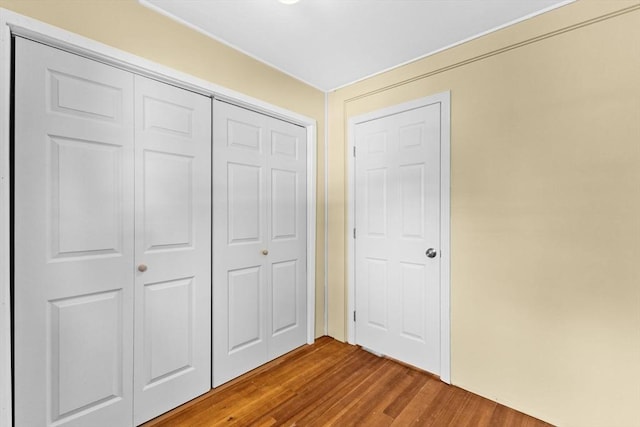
x=334, y=384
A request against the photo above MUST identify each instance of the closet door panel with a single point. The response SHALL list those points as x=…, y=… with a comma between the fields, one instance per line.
x=287, y=237
x=259, y=258
x=240, y=287
x=73, y=252
x=173, y=247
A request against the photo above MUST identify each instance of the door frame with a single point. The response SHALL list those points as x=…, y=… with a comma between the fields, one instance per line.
x=444, y=98
x=12, y=23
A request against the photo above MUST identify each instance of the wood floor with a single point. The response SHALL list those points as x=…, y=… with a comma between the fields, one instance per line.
x=331, y=383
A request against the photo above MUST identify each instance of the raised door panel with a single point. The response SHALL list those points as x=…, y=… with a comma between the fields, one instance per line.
x=285, y=145
x=86, y=336
x=284, y=204
x=168, y=344
x=412, y=202
x=377, y=290
x=168, y=201
x=73, y=267
x=166, y=117
x=284, y=291
x=411, y=136
x=86, y=192
x=244, y=202
x=412, y=280
x=245, y=307
x=376, y=202
x=84, y=97
x=173, y=243
x=245, y=133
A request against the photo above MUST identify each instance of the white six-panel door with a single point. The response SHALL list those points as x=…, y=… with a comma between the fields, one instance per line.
x=73, y=247
x=98, y=154
x=259, y=242
x=397, y=217
x=173, y=247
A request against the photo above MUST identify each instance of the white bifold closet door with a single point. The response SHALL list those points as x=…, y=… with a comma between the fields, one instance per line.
x=173, y=241
x=111, y=172
x=259, y=242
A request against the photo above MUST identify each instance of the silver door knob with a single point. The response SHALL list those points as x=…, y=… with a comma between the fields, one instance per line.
x=142, y=268
x=431, y=253
x=265, y=252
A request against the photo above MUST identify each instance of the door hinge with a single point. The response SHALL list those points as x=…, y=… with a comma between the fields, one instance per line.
x=354, y=233
x=354, y=315
x=354, y=151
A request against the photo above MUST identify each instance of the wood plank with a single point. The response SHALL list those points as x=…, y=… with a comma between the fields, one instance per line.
x=353, y=404
x=324, y=389
x=332, y=383
x=444, y=407
x=377, y=413
x=475, y=412
x=503, y=416
x=410, y=416
x=404, y=397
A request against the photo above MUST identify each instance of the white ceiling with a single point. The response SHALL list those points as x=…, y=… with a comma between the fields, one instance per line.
x=331, y=43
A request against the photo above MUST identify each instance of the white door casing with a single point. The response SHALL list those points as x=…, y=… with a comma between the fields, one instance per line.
x=400, y=179
x=259, y=244
x=73, y=216
x=173, y=246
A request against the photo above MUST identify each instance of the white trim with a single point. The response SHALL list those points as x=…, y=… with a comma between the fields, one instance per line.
x=468, y=39
x=444, y=98
x=311, y=232
x=351, y=223
x=194, y=27
x=5, y=211
x=326, y=214
x=13, y=23
x=445, y=238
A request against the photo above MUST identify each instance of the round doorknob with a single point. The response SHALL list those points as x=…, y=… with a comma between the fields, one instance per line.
x=142, y=268
x=265, y=252
x=431, y=253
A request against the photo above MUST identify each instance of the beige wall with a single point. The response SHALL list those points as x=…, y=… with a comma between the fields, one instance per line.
x=545, y=214
x=127, y=25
